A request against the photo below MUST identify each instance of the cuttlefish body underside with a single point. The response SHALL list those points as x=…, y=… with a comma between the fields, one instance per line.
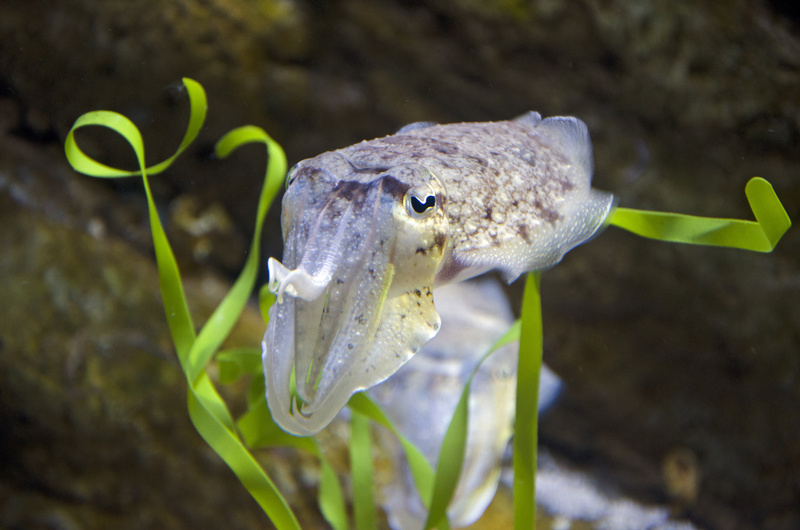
x=371, y=229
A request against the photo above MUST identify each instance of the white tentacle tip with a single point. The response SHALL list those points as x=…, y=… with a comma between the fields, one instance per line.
x=295, y=283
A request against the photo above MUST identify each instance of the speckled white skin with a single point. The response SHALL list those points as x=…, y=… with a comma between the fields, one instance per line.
x=371, y=228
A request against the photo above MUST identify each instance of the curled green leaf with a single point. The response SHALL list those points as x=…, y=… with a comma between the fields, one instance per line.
x=761, y=235
x=225, y=315
x=207, y=410
x=117, y=122
x=237, y=362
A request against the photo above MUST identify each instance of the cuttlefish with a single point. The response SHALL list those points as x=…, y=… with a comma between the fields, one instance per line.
x=370, y=230
x=476, y=314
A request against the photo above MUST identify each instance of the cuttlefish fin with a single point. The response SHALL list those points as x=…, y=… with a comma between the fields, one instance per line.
x=529, y=118
x=416, y=125
x=573, y=135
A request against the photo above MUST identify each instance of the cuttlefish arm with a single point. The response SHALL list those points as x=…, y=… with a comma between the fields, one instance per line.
x=355, y=299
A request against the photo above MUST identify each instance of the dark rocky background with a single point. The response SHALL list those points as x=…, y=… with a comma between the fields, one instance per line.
x=674, y=357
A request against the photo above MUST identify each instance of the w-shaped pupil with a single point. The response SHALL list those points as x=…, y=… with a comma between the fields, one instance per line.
x=422, y=207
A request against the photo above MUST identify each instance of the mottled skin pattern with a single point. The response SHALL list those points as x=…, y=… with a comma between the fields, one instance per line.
x=505, y=182
x=371, y=229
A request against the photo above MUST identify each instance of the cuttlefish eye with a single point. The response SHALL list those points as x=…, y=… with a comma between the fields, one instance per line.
x=420, y=202
x=291, y=175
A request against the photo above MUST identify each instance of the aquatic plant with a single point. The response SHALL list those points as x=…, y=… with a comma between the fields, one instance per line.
x=234, y=439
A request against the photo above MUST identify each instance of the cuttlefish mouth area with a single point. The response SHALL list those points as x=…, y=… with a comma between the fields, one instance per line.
x=348, y=314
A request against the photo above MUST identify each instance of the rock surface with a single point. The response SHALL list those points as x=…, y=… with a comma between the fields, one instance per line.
x=681, y=363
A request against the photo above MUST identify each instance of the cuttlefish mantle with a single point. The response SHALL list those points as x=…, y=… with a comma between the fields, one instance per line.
x=371, y=229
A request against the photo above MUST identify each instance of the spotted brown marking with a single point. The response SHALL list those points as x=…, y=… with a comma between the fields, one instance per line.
x=394, y=186
x=549, y=215
x=446, y=149
x=565, y=186
x=522, y=229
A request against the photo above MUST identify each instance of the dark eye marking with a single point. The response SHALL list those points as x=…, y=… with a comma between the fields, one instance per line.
x=290, y=176
x=422, y=207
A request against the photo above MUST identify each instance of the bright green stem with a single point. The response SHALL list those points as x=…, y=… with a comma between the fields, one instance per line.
x=420, y=467
x=527, y=404
x=361, y=471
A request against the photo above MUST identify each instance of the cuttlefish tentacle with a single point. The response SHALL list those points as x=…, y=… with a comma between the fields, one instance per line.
x=321, y=261
x=370, y=229
x=341, y=300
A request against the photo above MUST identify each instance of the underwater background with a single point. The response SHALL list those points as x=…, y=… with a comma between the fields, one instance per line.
x=681, y=364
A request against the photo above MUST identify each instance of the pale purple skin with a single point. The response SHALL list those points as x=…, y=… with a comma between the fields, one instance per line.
x=371, y=229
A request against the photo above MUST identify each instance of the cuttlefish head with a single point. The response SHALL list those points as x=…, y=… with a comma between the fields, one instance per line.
x=354, y=299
